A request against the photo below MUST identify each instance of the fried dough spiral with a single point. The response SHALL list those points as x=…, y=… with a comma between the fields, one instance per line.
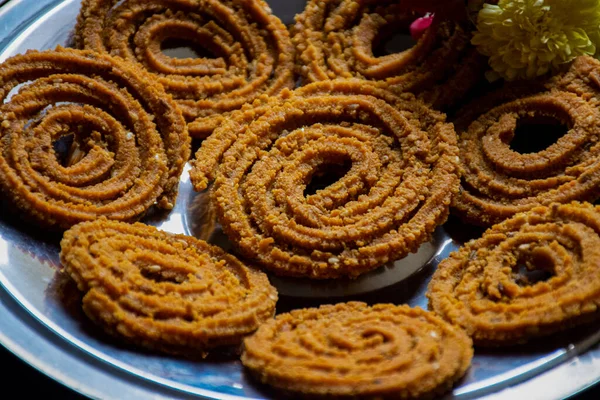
x=339, y=38
x=351, y=349
x=499, y=181
x=171, y=293
x=401, y=160
x=528, y=276
x=249, y=51
x=132, y=136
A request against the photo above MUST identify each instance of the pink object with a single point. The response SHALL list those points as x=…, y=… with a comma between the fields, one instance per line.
x=420, y=25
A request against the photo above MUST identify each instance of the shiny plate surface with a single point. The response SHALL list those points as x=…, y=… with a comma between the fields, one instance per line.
x=41, y=321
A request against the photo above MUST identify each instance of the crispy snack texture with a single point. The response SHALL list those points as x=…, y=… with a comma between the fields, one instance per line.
x=131, y=138
x=499, y=181
x=401, y=160
x=351, y=350
x=528, y=276
x=340, y=39
x=249, y=50
x=165, y=292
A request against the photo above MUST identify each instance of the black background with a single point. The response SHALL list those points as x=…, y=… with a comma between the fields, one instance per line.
x=17, y=377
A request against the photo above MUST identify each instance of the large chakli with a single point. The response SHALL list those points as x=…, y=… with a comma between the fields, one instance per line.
x=499, y=181
x=245, y=50
x=528, y=276
x=352, y=350
x=166, y=292
x=130, y=139
x=340, y=39
x=396, y=160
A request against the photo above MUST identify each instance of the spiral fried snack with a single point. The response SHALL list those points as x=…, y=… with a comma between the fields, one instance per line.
x=353, y=350
x=130, y=135
x=338, y=39
x=401, y=160
x=250, y=52
x=498, y=181
x=171, y=293
x=496, y=287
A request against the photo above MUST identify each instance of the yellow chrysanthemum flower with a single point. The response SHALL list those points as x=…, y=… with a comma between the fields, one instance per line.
x=527, y=38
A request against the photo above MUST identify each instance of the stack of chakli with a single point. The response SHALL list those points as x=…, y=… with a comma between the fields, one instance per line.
x=325, y=160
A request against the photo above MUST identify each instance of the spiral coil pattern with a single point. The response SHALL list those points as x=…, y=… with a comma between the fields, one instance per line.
x=351, y=349
x=131, y=137
x=249, y=50
x=499, y=181
x=337, y=39
x=165, y=292
x=401, y=158
x=528, y=276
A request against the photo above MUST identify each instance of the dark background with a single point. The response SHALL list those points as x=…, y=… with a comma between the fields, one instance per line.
x=17, y=377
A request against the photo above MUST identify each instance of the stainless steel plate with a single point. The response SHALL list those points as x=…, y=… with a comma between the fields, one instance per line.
x=41, y=321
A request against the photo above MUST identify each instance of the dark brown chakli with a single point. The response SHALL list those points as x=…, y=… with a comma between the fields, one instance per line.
x=250, y=52
x=351, y=350
x=166, y=292
x=402, y=173
x=528, y=276
x=131, y=138
x=336, y=39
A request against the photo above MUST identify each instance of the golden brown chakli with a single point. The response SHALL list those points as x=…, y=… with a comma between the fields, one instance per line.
x=399, y=172
x=528, y=276
x=353, y=350
x=336, y=39
x=166, y=292
x=250, y=52
x=131, y=138
x=499, y=181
